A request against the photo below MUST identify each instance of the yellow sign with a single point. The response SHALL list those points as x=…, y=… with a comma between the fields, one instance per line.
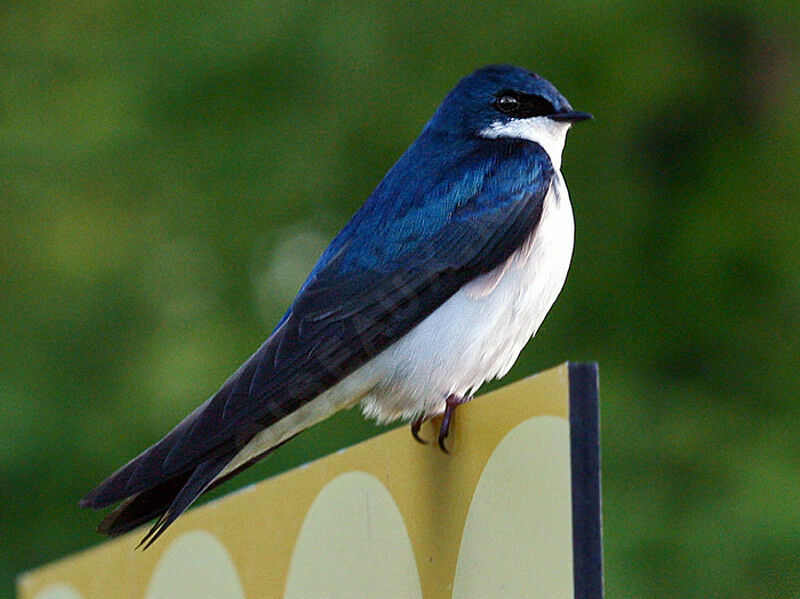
x=389, y=517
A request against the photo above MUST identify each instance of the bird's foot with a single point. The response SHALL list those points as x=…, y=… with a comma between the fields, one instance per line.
x=415, y=426
x=451, y=403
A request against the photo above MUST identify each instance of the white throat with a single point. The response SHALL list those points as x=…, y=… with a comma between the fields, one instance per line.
x=546, y=132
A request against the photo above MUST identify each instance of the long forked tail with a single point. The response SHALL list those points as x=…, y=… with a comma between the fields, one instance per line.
x=170, y=498
x=165, y=501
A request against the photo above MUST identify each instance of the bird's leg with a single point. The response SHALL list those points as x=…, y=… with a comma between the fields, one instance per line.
x=415, y=426
x=444, y=429
x=451, y=403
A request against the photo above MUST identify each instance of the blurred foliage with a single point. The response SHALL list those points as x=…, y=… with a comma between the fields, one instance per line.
x=171, y=170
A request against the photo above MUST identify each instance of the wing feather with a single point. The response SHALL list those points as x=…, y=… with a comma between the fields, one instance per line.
x=358, y=301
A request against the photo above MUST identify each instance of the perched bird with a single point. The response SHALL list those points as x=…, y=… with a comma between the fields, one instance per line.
x=432, y=288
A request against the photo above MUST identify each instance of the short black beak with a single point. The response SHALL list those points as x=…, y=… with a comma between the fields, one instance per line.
x=573, y=116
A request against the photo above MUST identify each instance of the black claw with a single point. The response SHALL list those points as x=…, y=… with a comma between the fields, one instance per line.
x=451, y=403
x=415, y=426
x=441, y=443
x=447, y=419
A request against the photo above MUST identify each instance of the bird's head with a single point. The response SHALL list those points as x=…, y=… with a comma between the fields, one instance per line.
x=503, y=101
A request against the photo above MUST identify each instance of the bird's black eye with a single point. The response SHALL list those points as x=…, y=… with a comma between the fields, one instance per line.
x=522, y=106
x=507, y=104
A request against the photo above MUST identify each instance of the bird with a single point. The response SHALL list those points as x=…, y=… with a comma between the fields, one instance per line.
x=432, y=288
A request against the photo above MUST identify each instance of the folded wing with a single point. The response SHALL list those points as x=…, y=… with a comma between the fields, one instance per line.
x=359, y=299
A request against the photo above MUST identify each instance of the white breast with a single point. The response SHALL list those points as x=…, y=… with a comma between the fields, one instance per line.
x=473, y=337
x=479, y=332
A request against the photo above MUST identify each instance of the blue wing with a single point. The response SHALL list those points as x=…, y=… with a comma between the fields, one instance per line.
x=438, y=220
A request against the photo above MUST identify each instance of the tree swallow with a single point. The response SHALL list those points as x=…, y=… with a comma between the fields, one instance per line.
x=432, y=288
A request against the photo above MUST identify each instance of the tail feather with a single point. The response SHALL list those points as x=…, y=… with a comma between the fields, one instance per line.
x=145, y=471
x=200, y=480
x=170, y=498
x=143, y=507
x=165, y=501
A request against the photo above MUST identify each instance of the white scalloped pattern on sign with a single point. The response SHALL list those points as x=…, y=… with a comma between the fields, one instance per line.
x=195, y=565
x=353, y=543
x=59, y=591
x=518, y=532
x=341, y=554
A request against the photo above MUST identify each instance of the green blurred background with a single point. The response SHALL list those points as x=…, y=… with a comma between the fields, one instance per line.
x=170, y=171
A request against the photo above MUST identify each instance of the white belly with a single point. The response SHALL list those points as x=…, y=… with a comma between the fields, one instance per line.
x=473, y=337
x=479, y=332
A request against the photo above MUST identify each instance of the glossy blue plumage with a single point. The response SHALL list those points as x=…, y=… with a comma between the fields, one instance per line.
x=454, y=206
x=441, y=172
x=439, y=179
